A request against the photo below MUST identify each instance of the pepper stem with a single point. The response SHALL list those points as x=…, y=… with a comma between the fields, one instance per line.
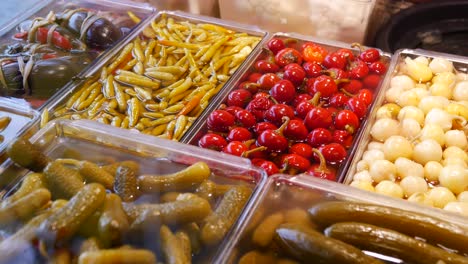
x=346, y=92
x=323, y=162
x=280, y=130
x=357, y=45
x=246, y=154
x=315, y=100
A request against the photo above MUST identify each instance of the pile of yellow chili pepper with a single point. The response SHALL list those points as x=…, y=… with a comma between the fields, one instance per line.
x=163, y=80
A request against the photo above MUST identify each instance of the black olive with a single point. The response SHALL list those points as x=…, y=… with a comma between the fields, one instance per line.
x=48, y=76
x=102, y=34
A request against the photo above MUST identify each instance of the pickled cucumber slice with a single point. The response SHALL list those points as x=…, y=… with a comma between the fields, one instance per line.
x=308, y=245
x=223, y=218
x=63, y=182
x=185, y=180
x=392, y=243
x=434, y=230
x=27, y=155
x=64, y=223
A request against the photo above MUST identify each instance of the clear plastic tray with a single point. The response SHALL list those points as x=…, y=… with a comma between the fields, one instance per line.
x=21, y=117
x=200, y=127
x=79, y=57
x=460, y=63
x=58, y=102
x=103, y=144
x=283, y=192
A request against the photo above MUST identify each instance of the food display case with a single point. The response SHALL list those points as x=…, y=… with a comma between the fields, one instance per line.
x=156, y=82
x=291, y=148
x=415, y=135
x=199, y=194
x=300, y=219
x=270, y=90
x=55, y=40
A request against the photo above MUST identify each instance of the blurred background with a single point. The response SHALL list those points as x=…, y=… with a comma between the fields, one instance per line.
x=11, y=8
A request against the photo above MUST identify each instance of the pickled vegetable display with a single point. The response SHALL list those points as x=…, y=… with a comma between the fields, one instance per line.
x=83, y=202
x=417, y=148
x=301, y=221
x=162, y=80
x=298, y=108
x=54, y=45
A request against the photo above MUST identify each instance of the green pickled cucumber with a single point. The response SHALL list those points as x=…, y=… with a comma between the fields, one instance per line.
x=24, y=208
x=186, y=209
x=120, y=256
x=27, y=155
x=392, y=243
x=185, y=180
x=434, y=230
x=221, y=220
x=298, y=216
x=59, y=203
x=286, y=261
x=24, y=235
x=60, y=256
x=31, y=182
x=169, y=197
x=113, y=223
x=265, y=231
x=193, y=232
x=63, y=182
x=125, y=184
x=308, y=245
x=112, y=168
x=89, y=227
x=91, y=172
x=256, y=257
x=184, y=241
x=90, y=244
x=210, y=190
x=172, y=248
x=64, y=223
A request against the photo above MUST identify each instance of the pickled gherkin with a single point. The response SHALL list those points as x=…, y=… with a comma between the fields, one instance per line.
x=27, y=155
x=63, y=224
x=64, y=182
x=31, y=182
x=24, y=208
x=113, y=223
x=184, y=180
x=81, y=211
x=220, y=221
